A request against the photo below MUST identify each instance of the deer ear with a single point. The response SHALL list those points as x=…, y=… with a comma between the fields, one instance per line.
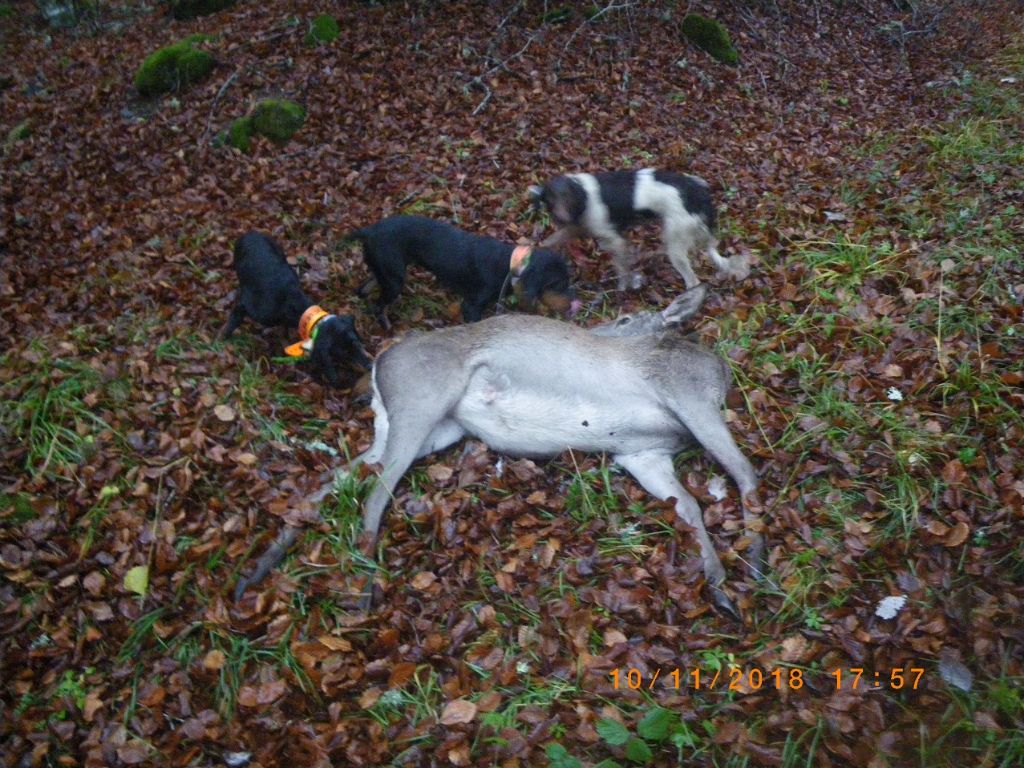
x=685, y=306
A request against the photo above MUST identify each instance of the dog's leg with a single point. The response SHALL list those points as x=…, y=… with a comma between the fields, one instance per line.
x=364, y=290
x=234, y=320
x=736, y=267
x=472, y=311
x=679, y=241
x=560, y=236
x=623, y=258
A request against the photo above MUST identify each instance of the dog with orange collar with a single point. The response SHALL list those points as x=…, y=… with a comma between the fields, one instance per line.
x=480, y=269
x=269, y=293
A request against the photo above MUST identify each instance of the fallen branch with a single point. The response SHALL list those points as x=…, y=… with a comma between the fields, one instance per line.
x=478, y=80
x=213, y=106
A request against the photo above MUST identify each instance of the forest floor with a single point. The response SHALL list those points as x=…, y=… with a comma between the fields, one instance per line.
x=867, y=156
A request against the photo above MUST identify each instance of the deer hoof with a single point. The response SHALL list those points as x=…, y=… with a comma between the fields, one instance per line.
x=722, y=602
x=757, y=560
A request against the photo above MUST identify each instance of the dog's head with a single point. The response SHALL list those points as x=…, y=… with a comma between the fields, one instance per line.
x=563, y=197
x=337, y=346
x=546, y=280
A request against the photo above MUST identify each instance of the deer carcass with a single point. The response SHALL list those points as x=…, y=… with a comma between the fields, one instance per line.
x=533, y=387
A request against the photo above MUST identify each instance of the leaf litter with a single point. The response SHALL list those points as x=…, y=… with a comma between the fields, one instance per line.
x=135, y=446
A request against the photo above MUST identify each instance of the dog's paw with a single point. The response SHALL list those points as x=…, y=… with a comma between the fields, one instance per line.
x=738, y=269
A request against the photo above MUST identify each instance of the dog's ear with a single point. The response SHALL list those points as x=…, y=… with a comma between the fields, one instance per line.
x=685, y=306
x=567, y=200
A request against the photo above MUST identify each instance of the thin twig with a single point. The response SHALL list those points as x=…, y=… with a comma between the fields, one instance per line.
x=213, y=106
x=478, y=81
x=607, y=9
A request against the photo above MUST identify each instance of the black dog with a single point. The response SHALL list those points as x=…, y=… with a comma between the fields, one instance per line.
x=270, y=294
x=475, y=267
x=604, y=205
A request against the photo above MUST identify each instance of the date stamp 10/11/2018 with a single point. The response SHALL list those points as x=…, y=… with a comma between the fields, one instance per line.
x=754, y=678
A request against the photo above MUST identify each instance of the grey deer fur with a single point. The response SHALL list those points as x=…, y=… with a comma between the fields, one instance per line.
x=534, y=387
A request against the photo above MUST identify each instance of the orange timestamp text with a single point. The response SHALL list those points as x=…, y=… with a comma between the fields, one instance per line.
x=754, y=678
x=731, y=678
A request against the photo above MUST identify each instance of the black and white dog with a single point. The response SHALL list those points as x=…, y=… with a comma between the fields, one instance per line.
x=475, y=267
x=269, y=293
x=604, y=205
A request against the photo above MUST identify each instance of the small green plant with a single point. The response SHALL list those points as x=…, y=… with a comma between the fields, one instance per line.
x=658, y=728
x=711, y=37
x=560, y=758
x=173, y=67
x=323, y=29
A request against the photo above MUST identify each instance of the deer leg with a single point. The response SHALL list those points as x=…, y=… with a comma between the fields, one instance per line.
x=710, y=430
x=655, y=473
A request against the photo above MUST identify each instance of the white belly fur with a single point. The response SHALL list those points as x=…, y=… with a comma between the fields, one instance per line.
x=541, y=420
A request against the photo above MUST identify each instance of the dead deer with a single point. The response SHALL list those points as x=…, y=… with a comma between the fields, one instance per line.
x=534, y=387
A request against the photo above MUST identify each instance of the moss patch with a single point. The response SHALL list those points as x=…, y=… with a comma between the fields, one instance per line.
x=240, y=134
x=173, y=67
x=277, y=119
x=190, y=9
x=711, y=37
x=323, y=29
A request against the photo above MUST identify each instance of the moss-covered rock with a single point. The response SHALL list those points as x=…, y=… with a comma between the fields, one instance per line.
x=190, y=9
x=277, y=119
x=323, y=29
x=711, y=37
x=240, y=134
x=173, y=67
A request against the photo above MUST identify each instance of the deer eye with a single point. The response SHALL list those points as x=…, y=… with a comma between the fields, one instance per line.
x=624, y=320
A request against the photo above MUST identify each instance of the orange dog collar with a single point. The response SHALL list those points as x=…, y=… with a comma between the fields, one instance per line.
x=520, y=259
x=307, y=331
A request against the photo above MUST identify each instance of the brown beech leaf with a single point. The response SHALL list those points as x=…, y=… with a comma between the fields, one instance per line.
x=957, y=535
x=423, y=579
x=458, y=711
x=214, y=660
x=224, y=412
